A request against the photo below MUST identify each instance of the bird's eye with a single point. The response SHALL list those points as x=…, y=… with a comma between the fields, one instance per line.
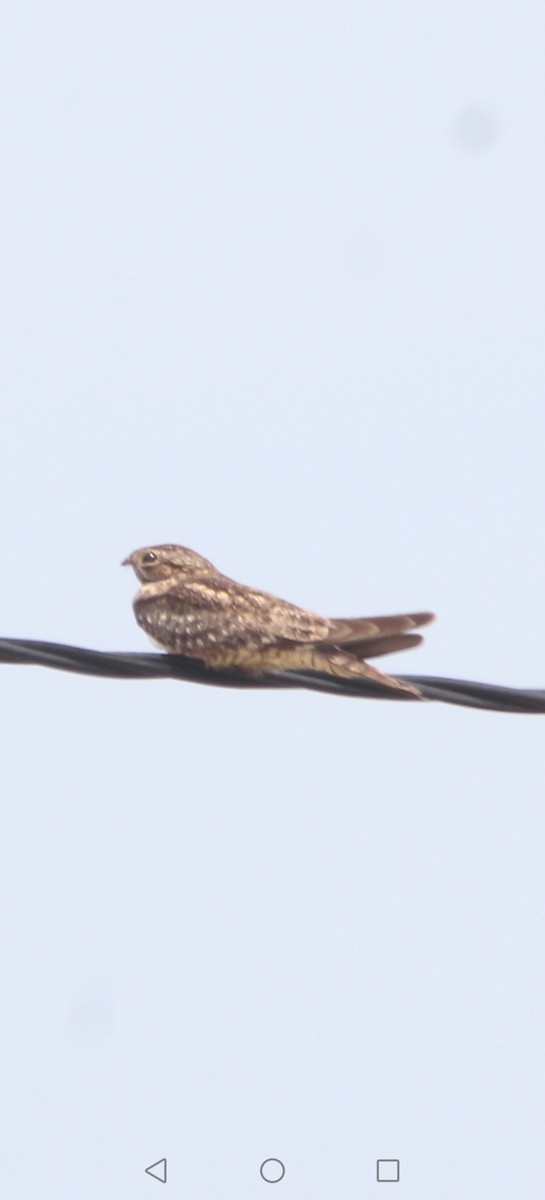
x=150, y=557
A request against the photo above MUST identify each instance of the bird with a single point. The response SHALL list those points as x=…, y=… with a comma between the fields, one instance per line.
x=186, y=606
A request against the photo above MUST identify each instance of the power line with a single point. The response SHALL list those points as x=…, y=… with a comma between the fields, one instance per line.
x=174, y=666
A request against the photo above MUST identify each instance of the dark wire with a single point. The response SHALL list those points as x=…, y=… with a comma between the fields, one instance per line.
x=174, y=666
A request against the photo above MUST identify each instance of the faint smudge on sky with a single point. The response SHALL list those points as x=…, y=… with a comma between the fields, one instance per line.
x=92, y=1017
x=475, y=129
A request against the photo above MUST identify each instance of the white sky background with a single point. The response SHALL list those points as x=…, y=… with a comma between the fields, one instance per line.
x=272, y=286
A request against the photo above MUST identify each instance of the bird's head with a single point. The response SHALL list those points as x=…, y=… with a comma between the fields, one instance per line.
x=161, y=562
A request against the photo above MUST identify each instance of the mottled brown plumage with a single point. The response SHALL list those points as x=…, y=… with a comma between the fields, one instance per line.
x=186, y=606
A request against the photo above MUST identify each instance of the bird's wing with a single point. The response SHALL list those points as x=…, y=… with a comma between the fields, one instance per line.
x=218, y=610
x=369, y=637
x=232, y=615
x=374, y=647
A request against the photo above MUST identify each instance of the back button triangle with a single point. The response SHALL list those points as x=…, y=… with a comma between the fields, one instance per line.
x=158, y=1170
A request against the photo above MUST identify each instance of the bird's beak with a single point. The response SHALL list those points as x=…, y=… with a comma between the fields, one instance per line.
x=127, y=562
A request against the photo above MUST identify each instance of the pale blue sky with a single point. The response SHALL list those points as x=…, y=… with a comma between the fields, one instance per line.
x=273, y=287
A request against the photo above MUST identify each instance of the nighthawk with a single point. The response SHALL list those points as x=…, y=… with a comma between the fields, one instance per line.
x=187, y=607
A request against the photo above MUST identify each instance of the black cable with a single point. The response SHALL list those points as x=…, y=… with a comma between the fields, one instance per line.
x=479, y=695
x=174, y=666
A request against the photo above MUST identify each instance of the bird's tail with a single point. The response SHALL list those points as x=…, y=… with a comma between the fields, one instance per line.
x=348, y=666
